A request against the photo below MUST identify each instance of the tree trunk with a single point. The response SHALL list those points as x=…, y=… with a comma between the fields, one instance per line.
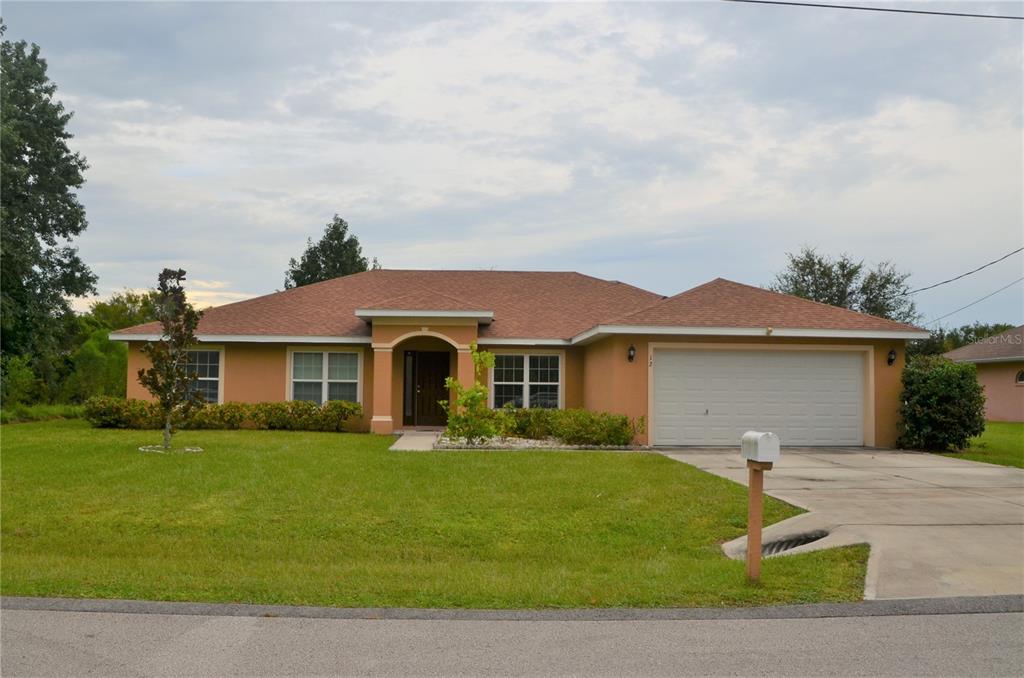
x=167, y=432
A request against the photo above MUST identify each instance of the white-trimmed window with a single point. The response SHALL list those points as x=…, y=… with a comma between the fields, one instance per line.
x=527, y=380
x=206, y=366
x=1019, y=380
x=319, y=376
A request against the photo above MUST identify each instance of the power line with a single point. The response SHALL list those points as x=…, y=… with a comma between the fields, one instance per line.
x=963, y=275
x=977, y=301
x=879, y=9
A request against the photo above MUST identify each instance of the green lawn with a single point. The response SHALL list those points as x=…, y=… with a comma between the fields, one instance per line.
x=1001, y=443
x=336, y=519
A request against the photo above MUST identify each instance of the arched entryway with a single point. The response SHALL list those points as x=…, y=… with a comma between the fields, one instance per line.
x=392, y=342
x=421, y=366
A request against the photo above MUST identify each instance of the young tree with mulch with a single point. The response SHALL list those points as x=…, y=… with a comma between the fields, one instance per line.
x=168, y=378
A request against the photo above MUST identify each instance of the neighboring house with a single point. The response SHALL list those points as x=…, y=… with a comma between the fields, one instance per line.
x=1000, y=362
x=701, y=367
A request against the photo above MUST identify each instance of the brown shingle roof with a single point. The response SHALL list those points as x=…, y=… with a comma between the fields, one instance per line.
x=724, y=303
x=526, y=304
x=424, y=299
x=1008, y=345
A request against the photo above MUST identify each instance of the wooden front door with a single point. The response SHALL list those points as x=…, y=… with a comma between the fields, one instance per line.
x=425, y=372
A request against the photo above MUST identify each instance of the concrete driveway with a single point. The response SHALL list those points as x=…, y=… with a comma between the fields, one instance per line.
x=937, y=526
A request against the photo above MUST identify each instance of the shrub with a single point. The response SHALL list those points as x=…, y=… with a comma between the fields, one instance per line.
x=296, y=415
x=943, y=405
x=535, y=423
x=469, y=415
x=20, y=413
x=334, y=414
x=302, y=415
x=111, y=412
x=583, y=427
x=273, y=416
x=293, y=415
x=225, y=416
x=572, y=427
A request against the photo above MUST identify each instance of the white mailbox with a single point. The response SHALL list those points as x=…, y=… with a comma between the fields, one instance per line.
x=758, y=446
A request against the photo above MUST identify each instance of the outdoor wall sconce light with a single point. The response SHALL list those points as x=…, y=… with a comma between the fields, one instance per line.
x=631, y=353
x=892, y=356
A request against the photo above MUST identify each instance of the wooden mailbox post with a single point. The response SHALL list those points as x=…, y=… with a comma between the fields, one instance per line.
x=760, y=450
x=755, y=516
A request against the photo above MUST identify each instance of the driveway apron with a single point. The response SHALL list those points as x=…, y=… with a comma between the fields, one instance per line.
x=937, y=526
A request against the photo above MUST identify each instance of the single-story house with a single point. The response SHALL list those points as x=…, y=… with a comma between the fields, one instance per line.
x=701, y=367
x=1000, y=362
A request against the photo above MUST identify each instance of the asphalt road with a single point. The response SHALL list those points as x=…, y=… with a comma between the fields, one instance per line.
x=60, y=643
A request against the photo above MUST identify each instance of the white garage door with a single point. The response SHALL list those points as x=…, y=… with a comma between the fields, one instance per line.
x=712, y=397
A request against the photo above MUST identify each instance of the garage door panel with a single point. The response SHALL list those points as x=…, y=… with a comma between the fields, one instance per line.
x=712, y=397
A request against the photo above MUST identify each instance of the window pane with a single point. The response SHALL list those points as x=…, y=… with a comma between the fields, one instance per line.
x=508, y=393
x=342, y=391
x=508, y=368
x=543, y=369
x=342, y=366
x=204, y=364
x=544, y=395
x=307, y=366
x=207, y=388
x=307, y=390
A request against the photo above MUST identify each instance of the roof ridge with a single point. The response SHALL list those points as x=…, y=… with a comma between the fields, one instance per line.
x=617, y=282
x=469, y=270
x=663, y=300
x=762, y=290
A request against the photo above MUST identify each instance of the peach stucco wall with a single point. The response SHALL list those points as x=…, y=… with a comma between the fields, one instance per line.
x=253, y=373
x=612, y=383
x=1004, y=399
x=387, y=334
x=596, y=376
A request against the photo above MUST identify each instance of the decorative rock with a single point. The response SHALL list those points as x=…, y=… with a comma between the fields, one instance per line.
x=501, y=443
x=159, y=449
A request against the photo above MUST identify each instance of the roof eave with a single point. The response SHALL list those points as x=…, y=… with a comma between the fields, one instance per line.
x=250, y=338
x=1005, y=359
x=599, y=331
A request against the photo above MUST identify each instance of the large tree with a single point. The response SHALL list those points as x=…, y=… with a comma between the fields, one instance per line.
x=124, y=309
x=39, y=210
x=881, y=291
x=97, y=365
x=336, y=254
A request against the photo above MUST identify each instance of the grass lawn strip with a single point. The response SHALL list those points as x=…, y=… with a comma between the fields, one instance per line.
x=1002, y=443
x=336, y=520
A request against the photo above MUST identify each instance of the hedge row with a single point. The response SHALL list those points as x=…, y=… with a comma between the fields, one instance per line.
x=571, y=427
x=295, y=415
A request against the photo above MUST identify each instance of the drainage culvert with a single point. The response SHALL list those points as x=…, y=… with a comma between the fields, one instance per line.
x=775, y=547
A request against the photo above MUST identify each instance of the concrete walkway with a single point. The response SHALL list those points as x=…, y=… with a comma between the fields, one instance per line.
x=937, y=526
x=415, y=441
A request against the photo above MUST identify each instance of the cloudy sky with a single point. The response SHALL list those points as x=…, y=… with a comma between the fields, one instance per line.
x=663, y=145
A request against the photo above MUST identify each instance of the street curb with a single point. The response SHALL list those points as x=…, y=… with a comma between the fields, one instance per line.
x=867, y=608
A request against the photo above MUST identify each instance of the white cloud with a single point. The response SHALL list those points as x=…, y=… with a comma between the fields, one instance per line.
x=538, y=135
